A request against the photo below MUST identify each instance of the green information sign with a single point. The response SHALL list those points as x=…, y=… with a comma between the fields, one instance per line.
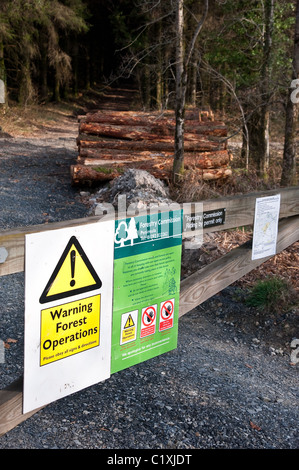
x=147, y=266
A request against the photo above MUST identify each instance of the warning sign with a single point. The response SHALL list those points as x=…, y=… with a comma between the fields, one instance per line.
x=128, y=327
x=166, y=315
x=68, y=311
x=148, y=321
x=69, y=329
x=74, y=274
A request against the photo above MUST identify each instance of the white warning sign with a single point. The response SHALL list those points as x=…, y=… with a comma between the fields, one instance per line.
x=68, y=311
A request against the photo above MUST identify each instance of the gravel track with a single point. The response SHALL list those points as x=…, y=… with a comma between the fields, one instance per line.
x=222, y=388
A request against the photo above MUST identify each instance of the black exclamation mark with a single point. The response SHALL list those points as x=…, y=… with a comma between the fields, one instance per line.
x=73, y=260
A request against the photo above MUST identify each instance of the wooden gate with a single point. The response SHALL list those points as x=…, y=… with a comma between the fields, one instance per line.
x=194, y=290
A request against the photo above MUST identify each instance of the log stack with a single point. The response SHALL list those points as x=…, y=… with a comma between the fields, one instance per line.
x=109, y=142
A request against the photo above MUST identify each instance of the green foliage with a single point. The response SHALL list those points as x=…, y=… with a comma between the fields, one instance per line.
x=235, y=46
x=271, y=295
x=47, y=44
x=35, y=31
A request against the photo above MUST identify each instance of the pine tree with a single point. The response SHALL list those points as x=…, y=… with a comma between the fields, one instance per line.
x=288, y=176
x=32, y=41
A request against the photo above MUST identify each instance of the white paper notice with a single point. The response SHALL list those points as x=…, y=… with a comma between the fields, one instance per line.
x=265, y=226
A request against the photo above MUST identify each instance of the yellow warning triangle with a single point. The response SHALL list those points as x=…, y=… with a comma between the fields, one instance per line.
x=74, y=274
x=129, y=322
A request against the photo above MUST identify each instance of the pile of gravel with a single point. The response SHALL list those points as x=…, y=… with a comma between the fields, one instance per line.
x=136, y=189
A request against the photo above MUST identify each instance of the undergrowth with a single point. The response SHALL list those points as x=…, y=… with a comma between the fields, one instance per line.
x=272, y=295
x=192, y=188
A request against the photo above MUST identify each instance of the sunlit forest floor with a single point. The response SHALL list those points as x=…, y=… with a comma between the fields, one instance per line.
x=35, y=119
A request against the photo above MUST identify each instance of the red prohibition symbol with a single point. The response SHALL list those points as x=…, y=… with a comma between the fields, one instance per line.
x=167, y=309
x=148, y=316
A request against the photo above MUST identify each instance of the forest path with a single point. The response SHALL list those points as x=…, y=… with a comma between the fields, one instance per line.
x=37, y=148
x=35, y=182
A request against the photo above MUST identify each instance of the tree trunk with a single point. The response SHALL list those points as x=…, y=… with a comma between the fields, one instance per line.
x=44, y=90
x=288, y=176
x=201, y=160
x=133, y=118
x=178, y=163
x=258, y=130
x=159, y=68
x=82, y=174
x=193, y=78
x=198, y=145
x=26, y=91
x=2, y=75
x=56, y=90
x=182, y=63
x=75, y=66
x=258, y=125
x=162, y=127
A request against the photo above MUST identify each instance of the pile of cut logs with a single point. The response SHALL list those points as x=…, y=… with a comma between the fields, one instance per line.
x=109, y=142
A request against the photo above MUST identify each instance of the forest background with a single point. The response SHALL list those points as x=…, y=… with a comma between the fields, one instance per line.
x=243, y=63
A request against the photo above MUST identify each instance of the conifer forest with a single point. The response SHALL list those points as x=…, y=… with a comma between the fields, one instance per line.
x=236, y=58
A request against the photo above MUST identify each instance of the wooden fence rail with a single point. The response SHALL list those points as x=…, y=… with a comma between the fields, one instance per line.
x=194, y=290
